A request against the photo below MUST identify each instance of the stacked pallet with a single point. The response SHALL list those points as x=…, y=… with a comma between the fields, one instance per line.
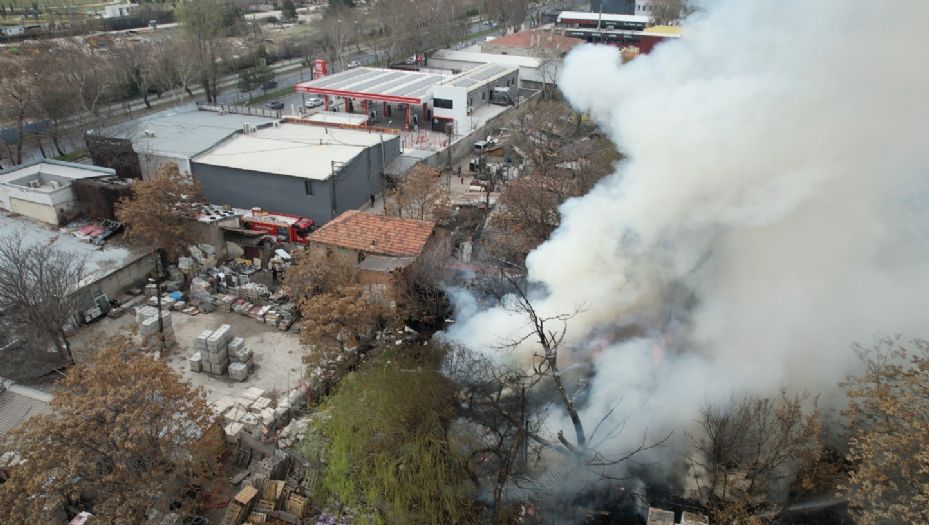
x=240, y=506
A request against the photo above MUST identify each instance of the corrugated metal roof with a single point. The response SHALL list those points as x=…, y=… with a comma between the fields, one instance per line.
x=18, y=403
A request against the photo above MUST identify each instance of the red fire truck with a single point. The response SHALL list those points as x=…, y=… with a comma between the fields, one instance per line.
x=282, y=226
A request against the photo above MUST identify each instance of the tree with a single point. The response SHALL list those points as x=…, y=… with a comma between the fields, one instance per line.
x=254, y=78
x=670, y=11
x=315, y=272
x=888, y=416
x=420, y=196
x=16, y=91
x=560, y=163
x=204, y=23
x=508, y=13
x=136, y=62
x=38, y=285
x=159, y=211
x=389, y=448
x=289, y=11
x=752, y=452
x=338, y=319
x=125, y=438
x=339, y=29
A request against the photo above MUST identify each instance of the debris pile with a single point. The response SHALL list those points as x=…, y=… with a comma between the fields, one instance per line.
x=250, y=299
x=257, y=415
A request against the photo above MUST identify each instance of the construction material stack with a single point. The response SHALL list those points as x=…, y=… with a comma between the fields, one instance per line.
x=150, y=328
x=217, y=352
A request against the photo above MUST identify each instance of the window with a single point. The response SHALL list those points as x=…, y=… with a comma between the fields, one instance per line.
x=308, y=186
x=442, y=103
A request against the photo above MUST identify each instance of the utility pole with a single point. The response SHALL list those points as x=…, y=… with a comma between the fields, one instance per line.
x=159, y=269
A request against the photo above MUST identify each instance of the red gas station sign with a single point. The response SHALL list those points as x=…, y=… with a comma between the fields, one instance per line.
x=320, y=68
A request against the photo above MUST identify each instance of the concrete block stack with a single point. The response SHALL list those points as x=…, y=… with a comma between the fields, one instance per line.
x=148, y=324
x=218, y=352
x=240, y=354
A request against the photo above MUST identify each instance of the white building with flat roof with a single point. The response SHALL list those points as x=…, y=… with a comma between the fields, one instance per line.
x=42, y=190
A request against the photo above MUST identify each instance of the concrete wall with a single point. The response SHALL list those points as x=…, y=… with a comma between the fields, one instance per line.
x=39, y=212
x=42, y=205
x=355, y=183
x=113, y=285
x=150, y=163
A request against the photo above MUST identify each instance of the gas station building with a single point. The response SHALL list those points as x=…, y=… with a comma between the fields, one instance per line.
x=436, y=97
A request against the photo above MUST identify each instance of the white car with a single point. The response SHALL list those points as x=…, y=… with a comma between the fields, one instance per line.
x=313, y=102
x=353, y=64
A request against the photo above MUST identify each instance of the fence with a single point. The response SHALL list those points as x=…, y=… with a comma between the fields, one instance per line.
x=239, y=110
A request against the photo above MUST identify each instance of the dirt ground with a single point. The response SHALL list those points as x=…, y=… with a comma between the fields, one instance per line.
x=277, y=355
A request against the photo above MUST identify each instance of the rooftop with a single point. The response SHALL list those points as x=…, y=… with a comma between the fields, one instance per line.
x=536, y=38
x=388, y=85
x=480, y=75
x=295, y=150
x=19, y=403
x=606, y=17
x=377, y=234
x=184, y=134
x=100, y=261
x=44, y=172
x=670, y=31
x=485, y=58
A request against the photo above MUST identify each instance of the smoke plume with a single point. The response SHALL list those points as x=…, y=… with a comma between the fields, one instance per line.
x=770, y=210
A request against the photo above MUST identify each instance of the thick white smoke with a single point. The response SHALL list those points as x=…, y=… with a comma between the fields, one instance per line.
x=777, y=166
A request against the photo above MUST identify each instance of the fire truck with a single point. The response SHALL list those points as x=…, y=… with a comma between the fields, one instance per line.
x=282, y=226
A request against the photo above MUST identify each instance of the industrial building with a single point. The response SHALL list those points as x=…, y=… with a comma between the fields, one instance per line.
x=42, y=190
x=137, y=148
x=301, y=169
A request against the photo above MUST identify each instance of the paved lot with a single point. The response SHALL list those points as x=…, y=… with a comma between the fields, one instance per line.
x=277, y=355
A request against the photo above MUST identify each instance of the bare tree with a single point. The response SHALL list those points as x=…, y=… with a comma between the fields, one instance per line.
x=203, y=24
x=16, y=94
x=508, y=13
x=751, y=450
x=136, y=60
x=38, y=285
x=419, y=196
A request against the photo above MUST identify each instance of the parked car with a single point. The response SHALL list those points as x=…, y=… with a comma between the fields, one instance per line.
x=277, y=104
x=313, y=102
x=411, y=60
x=353, y=64
x=271, y=84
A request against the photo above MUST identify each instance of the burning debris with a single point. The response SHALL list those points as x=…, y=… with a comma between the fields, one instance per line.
x=790, y=241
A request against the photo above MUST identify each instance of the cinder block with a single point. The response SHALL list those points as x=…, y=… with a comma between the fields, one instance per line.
x=195, y=362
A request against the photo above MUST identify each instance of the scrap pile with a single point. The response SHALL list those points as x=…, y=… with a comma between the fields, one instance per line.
x=217, y=351
x=257, y=415
x=249, y=299
x=94, y=231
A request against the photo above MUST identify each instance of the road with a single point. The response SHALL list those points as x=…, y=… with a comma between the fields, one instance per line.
x=288, y=73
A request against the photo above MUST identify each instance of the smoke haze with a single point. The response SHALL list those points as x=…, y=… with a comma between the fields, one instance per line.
x=769, y=213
